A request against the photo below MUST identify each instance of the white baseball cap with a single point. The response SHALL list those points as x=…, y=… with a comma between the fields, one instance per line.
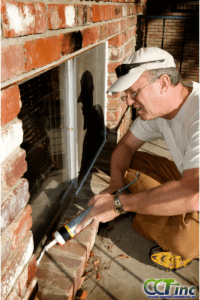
x=137, y=63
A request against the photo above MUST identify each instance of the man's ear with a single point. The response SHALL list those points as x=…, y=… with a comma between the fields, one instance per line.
x=164, y=83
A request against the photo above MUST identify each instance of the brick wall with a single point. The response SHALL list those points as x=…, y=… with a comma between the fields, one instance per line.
x=174, y=35
x=37, y=36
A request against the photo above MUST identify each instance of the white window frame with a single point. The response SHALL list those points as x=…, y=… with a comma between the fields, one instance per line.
x=68, y=79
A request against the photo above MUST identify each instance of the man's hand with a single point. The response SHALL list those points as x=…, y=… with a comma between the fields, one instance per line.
x=102, y=211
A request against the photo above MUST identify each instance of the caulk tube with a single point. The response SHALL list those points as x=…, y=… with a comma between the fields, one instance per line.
x=67, y=231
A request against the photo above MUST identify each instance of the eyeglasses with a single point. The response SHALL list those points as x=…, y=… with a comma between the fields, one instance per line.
x=124, y=68
x=133, y=95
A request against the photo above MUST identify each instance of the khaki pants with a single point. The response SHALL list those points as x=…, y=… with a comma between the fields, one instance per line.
x=178, y=234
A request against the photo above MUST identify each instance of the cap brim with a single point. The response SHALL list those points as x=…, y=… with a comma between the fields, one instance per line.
x=123, y=83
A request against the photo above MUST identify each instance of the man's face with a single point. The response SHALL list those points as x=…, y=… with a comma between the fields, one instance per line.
x=149, y=102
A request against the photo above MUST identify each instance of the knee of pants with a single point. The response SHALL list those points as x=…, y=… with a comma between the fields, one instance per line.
x=188, y=248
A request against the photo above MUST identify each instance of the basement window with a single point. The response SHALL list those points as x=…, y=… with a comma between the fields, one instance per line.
x=63, y=116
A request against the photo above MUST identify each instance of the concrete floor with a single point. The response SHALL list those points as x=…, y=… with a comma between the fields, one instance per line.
x=119, y=264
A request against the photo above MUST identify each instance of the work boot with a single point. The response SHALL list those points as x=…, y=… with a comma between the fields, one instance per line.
x=165, y=260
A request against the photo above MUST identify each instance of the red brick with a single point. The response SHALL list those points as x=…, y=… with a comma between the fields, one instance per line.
x=32, y=290
x=127, y=47
x=97, y=13
x=12, y=61
x=14, y=235
x=90, y=36
x=25, y=279
x=10, y=104
x=111, y=79
x=134, y=9
x=32, y=269
x=81, y=15
x=21, y=226
x=131, y=21
x=13, y=295
x=89, y=14
x=106, y=12
x=23, y=18
x=115, y=53
x=70, y=42
x=13, y=168
x=132, y=32
x=41, y=52
x=118, y=11
x=113, y=28
x=112, y=12
x=123, y=24
x=14, y=204
x=40, y=17
x=48, y=282
x=57, y=14
x=117, y=41
x=6, y=241
x=15, y=266
x=115, y=116
x=22, y=23
x=113, y=104
x=103, y=32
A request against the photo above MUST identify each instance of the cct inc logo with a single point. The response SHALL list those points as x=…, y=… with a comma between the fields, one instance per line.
x=168, y=288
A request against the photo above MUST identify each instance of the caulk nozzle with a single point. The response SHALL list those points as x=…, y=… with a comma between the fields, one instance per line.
x=46, y=248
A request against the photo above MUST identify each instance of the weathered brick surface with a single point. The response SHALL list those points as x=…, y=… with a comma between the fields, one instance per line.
x=26, y=277
x=32, y=290
x=90, y=36
x=13, y=295
x=15, y=266
x=117, y=41
x=14, y=204
x=21, y=226
x=113, y=104
x=61, y=16
x=24, y=21
x=115, y=53
x=40, y=17
x=103, y=32
x=5, y=248
x=24, y=289
x=112, y=65
x=125, y=124
x=115, y=115
x=70, y=42
x=97, y=13
x=113, y=28
x=10, y=104
x=11, y=138
x=66, y=264
x=14, y=235
x=12, y=169
x=82, y=15
x=12, y=61
x=29, y=18
x=41, y=52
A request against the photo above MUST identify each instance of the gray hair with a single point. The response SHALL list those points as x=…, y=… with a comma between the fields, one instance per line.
x=174, y=75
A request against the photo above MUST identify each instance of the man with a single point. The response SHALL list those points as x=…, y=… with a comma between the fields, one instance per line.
x=165, y=198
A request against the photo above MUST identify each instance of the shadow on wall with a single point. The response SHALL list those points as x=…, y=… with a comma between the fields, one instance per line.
x=93, y=123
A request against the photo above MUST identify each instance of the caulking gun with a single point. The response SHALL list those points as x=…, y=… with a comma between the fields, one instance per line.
x=67, y=231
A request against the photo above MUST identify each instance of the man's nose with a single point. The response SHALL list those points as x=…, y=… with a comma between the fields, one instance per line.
x=130, y=100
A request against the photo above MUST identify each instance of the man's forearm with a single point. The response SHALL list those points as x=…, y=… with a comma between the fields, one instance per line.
x=120, y=162
x=121, y=158
x=168, y=199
